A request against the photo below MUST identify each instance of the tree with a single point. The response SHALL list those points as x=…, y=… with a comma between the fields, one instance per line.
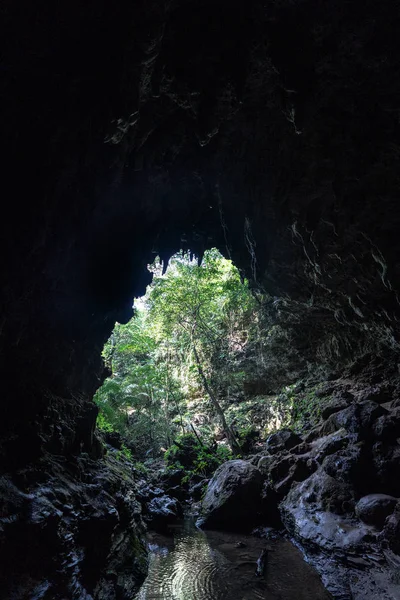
x=185, y=342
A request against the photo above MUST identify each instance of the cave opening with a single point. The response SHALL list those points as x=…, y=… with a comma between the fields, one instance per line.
x=193, y=364
x=270, y=130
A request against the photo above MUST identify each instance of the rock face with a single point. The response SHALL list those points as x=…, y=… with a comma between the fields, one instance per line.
x=76, y=530
x=284, y=439
x=163, y=511
x=374, y=508
x=233, y=497
x=268, y=129
x=341, y=509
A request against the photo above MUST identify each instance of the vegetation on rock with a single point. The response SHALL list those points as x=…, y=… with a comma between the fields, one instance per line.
x=188, y=363
x=191, y=371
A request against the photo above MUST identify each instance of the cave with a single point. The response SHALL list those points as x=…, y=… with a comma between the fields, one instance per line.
x=269, y=130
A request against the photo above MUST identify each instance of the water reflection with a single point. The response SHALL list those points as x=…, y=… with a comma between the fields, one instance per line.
x=193, y=570
x=193, y=565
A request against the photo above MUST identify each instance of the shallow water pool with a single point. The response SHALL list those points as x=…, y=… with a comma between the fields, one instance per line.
x=195, y=565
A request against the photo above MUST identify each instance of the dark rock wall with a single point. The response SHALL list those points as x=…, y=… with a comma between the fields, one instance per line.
x=269, y=129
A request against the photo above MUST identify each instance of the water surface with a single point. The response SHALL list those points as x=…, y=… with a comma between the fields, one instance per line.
x=194, y=565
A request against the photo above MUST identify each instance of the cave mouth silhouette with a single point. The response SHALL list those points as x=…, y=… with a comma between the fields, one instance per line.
x=144, y=128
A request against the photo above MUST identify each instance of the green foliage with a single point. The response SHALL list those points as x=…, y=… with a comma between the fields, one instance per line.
x=103, y=424
x=306, y=410
x=124, y=453
x=140, y=468
x=192, y=316
x=194, y=458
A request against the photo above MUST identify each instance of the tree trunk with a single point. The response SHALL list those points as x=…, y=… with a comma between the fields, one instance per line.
x=235, y=447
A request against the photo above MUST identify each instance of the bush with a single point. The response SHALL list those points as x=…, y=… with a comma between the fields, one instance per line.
x=124, y=452
x=188, y=454
x=247, y=438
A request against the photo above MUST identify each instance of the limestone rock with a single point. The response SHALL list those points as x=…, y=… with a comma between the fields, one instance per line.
x=336, y=404
x=285, y=439
x=232, y=498
x=391, y=530
x=163, y=511
x=357, y=419
x=264, y=464
x=387, y=427
x=386, y=462
x=330, y=444
x=374, y=508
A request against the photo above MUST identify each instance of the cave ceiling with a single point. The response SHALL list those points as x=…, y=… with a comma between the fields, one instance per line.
x=268, y=129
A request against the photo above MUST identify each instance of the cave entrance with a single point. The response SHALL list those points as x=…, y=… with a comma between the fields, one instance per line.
x=189, y=368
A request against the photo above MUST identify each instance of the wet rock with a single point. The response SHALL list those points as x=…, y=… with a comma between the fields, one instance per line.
x=77, y=531
x=196, y=490
x=280, y=468
x=264, y=464
x=357, y=419
x=315, y=433
x=313, y=512
x=290, y=469
x=386, y=461
x=232, y=498
x=285, y=439
x=302, y=448
x=374, y=508
x=387, y=427
x=391, y=531
x=336, y=404
x=146, y=491
x=395, y=403
x=322, y=492
x=330, y=444
x=352, y=466
x=162, y=512
x=368, y=413
x=380, y=395
x=172, y=477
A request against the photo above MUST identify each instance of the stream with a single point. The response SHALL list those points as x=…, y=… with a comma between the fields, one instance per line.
x=195, y=565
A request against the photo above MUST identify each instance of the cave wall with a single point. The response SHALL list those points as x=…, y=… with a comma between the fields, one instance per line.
x=268, y=129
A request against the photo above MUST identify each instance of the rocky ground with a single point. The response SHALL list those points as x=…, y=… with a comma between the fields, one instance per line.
x=334, y=489
x=71, y=529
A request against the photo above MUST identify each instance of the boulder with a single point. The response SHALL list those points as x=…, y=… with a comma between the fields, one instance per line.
x=323, y=492
x=233, y=496
x=314, y=513
x=162, y=512
x=357, y=419
x=264, y=464
x=172, y=477
x=386, y=460
x=374, y=508
x=299, y=471
x=391, y=531
x=387, y=427
x=377, y=394
x=280, y=467
x=352, y=466
x=302, y=448
x=197, y=489
x=330, y=444
x=339, y=402
x=395, y=403
x=285, y=439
